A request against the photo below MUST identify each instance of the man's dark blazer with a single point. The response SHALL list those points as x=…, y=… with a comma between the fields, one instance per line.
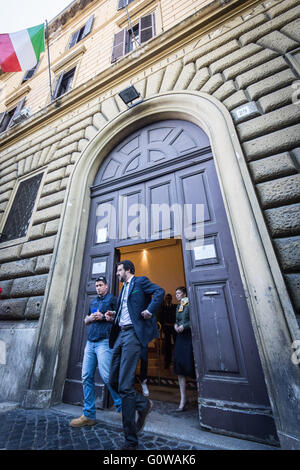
x=139, y=299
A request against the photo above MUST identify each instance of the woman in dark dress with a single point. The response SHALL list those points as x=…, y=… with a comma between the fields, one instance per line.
x=183, y=352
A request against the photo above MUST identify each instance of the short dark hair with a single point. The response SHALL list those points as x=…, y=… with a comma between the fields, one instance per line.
x=128, y=265
x=101, y=278
x=182, y=289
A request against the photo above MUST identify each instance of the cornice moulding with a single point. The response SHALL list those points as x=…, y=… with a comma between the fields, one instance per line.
x=15, y=96
x=71, y=55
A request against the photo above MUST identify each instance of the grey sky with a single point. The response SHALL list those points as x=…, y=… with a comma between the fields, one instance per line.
x=20, y=14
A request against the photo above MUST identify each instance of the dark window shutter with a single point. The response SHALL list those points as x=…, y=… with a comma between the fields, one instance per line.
x=2, y=118
x=74, y=39
x=121, y=4
x=17, y=110
x=147, y=27
x=58, y=84
x=29, y=74
x=88, y=27
x=119, y=45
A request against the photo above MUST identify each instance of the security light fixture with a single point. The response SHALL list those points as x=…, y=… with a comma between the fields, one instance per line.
x=129, y=95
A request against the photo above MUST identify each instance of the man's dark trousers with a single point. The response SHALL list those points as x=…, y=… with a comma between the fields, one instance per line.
x=126, y=354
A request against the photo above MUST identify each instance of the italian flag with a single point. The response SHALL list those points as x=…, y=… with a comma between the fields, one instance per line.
x=21, y=50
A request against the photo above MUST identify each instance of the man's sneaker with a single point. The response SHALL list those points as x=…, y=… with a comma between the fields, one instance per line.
x=142, y=415
x=145, y=388
x=82, y=421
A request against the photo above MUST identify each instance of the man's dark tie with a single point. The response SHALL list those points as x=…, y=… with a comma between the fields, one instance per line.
x=121, y=302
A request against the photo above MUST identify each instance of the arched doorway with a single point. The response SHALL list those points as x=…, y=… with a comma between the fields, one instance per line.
x=170, y=164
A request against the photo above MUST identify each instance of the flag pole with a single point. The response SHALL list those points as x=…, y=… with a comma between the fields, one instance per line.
x=50, y=83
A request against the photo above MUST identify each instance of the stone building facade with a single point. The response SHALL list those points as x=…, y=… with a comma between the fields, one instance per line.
x=230, y=67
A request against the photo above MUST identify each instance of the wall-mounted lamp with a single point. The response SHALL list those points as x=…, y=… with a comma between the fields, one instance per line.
x=129, y=95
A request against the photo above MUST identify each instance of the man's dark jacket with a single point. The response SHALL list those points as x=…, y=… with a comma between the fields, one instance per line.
x=139, y=299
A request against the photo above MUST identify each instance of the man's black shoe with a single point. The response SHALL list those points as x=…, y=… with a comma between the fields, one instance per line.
x=128, y=446
x=143, y=415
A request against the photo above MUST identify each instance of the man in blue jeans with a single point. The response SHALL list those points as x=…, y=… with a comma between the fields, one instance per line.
x=97, y=351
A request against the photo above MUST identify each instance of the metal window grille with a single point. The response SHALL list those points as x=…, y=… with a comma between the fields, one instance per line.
x=20, y=213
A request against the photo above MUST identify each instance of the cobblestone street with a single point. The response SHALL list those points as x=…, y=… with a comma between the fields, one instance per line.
x=49, y=430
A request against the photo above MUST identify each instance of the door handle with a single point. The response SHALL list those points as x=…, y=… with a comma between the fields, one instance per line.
x=212, y=293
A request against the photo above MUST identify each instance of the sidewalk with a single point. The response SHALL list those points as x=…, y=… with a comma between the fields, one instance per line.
x=48, y=429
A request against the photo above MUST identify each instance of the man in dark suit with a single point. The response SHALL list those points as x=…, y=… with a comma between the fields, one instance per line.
x=133, y=328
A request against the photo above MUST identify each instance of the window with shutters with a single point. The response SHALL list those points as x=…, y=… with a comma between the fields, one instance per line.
x=81, y=33
x=128, y=39
x=7, y=118
x=30, y=73
x=64, y=83
x=20, y=213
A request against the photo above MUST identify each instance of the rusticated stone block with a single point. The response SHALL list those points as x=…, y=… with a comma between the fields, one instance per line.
x=273, y=143
x=50, y=188
x=270, y=122
x=29, y=286
x=201, y=77
x=45, y=215
x=237, y=99
x=277, y=99
x=233, y=58
x=90, y=132
x=284, y=221
x=217, y=43
x=171, y=75
x=43, y=264
x=269, y=26
x=153, y=84
x=288, y=250
x=109, y=108
x=249, y=63
x=51, y=200
x=38, y=247
x=269, y=84
x=292, y=30
x=33, y=308
x=99, y=121
x=278, y=41
x=185, y=77
x=52, y=227
x=82, y=124
x=293, y=284
x=217, y=54
x=280, y=192
x=10, y=253
x=213, y=84
x=70, y=139
x=261, y=71
x=6, y=288
x=36, y=231
x=272, y=167
x=225, y=90
x=55, y=175
x=23, y=267
x=13, y=309
x=59, y=163
x=281, y=7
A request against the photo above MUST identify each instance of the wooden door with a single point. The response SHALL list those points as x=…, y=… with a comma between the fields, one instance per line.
x=170, y=163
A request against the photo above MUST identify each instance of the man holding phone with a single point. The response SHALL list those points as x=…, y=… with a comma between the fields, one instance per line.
x=97, y=352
